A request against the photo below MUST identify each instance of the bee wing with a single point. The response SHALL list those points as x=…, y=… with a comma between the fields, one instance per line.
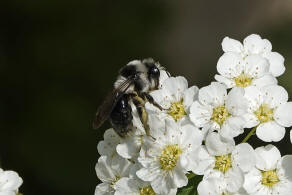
x=105, y=109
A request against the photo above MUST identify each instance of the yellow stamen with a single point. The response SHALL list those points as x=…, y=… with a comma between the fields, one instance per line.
x=169, y=157
x=270, y=178
x=147, y=191
x=264, y=113
x=243, y=80
x=223, y=163
x=220, y=114
x=177, y=110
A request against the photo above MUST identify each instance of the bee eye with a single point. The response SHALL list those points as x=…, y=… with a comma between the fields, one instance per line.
x=154, y=71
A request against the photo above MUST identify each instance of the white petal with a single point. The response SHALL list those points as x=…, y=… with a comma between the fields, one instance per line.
x=211, y=186
x=270, y=132
x=229, y=65
x=232, y=127
x=203, y=160
x=265, y=80
x=162, y=97
x=103, y=170
x=214, y=94
x=217, y=145
x=127, y=186
x=200, y=115
x=103, y=189
x=231, y=45
x=256, y=66
x=191, y=136
x=163, y=184
x=175, y=86
x=111, y=139
x=147, y=174
x=156, y=125
x=226, y=81
x=287, y=166
x=276, y=61
x=274, y=95
x=163, y=76
x=129, y=147
x=250, y=120
x=236, y=103
x=10, y=180
x=190, y=95
x=254, y=97
x=244, y=156
x=234, y=179
x=283, y=114
x=291, y=136
x=121, y=166
x=179, y=178
x=254, y=44
x=252, y=181
x=267, y=157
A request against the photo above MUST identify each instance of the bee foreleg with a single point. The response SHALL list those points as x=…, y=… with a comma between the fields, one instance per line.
x=140, y=105
x=150, y=99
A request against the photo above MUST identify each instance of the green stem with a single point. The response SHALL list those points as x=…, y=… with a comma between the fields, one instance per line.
x=191, y=175
x=252, y=132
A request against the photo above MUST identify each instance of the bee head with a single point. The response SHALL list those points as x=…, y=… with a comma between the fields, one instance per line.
x=153, y=72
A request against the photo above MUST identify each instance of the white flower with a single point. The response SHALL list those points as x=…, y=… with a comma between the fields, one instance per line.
x=214, y=185
x=175, y=98
x=132, y=185
x=291, y=136
x=236, y=71
x=9, y=182
x=109, y=171
x=217, y=110
x=272, y=174
x=254, y=44
x=222, y=162
x=269, y=109
x=107, y=147
x=166, y=160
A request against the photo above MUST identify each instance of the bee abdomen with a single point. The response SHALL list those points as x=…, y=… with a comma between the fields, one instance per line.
x=121, y=117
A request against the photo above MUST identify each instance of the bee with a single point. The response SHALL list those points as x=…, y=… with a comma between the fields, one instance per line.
x=133, y=84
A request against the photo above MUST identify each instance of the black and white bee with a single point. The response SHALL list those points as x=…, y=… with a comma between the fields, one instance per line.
x=134, y=83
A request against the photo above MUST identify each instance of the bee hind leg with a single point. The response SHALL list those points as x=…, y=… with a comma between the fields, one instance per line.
x=140, y=105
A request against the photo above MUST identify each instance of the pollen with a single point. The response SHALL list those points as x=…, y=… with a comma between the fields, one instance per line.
x=115, y=180
x=264, y=113
x=169, y=157
x=243, y=80
x=223, y=163
x=220, y=114
x=270, y=178
x=177, y=110
x=147, y=191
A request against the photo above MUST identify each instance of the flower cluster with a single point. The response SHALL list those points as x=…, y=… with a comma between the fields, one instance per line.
x=9, y=182
x=194, y=132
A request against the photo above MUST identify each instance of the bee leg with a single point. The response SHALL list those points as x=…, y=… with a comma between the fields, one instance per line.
x=140, y=105
x=150, y=99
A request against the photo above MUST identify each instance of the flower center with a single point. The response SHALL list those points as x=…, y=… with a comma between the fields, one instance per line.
x=264, y=113
x=269, y=178
x=223, y=163
x=147, y=191
x=177, y=110
x=243, y=80
x=169, y=157
x=220, y=114
x=115, y=180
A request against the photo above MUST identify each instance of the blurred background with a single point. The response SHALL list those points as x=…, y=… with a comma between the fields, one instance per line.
x=59, y=58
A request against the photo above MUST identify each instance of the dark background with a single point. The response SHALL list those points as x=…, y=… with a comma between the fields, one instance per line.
x=59, y=58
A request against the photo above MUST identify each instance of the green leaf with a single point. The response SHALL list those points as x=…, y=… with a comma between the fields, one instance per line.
x=191, y=188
